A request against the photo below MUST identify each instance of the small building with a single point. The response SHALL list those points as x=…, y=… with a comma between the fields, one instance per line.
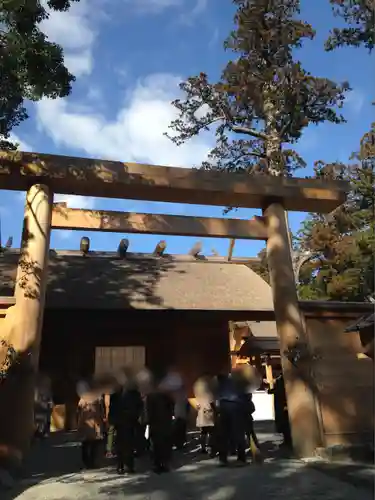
x=257, y=343
x=365, y=327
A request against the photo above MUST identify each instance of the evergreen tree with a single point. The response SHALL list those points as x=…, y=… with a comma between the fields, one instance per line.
x=360, y=18
x=31, y=67
x=343, y=243
x=261, y=267
x=264, y=99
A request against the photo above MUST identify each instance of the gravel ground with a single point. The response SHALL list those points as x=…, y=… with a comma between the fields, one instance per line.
x=52, y=473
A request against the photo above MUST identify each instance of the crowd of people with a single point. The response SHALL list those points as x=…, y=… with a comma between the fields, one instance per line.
x=141, y=416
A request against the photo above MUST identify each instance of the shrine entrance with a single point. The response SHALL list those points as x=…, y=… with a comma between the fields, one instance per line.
x=44, y=175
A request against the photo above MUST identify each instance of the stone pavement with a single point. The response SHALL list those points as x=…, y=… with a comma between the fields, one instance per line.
x=358, y=475
x=53, y=474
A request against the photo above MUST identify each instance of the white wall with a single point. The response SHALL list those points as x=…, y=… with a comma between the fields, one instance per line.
x=263, y=406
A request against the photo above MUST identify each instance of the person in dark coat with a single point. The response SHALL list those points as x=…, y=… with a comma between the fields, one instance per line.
x=125, y=410
x=281, y=411
x=160, y=408
x=231, y=420
x=142, y=441
x=181, y=413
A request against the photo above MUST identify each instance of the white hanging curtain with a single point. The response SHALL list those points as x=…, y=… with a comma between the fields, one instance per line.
x=111, y=359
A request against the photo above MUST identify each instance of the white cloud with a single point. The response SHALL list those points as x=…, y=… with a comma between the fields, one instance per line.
x=70, y=28
x=136, y=134
x=75, y=31
x=4, y=210
x=123, y=74
x=22, y=145
x=64, y=234
x=75, y=201
x=94, y=94
x=198, y=8
x=214, y=40
x=308, y=141
x=153, y=6
x=79, y=64
x=355, y=101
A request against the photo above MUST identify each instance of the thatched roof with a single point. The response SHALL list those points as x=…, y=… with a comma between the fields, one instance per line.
x=261, y=337
x=141, y=281
x=258, y=329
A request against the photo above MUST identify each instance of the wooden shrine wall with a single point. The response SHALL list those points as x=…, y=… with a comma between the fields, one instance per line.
x=344, y=382
x=70, y=341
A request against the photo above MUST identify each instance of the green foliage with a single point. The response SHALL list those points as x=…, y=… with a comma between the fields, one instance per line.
x=31, y=67
x=8, y=356
x=344, y=241
x=264, y=99
x=261, y=267
x=360, y=18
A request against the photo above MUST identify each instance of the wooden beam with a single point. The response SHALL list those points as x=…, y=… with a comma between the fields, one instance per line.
x=115, y=179
x=128, y=222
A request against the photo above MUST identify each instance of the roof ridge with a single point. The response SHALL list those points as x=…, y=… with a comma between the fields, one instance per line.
x=145, y=255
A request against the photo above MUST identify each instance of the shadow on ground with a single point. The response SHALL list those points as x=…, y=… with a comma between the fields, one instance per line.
x=53, y=472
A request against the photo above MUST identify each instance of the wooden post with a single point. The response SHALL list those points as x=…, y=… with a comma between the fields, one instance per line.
x=232, y=345
x=231, y=248
x=269, y=373
x=25, y=327
x=303, y=416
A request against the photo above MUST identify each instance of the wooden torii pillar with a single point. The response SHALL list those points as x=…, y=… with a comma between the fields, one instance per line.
x=305, y=428
x=24, y=327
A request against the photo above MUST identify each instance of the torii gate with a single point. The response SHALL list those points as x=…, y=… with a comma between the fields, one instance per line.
x=43, y=175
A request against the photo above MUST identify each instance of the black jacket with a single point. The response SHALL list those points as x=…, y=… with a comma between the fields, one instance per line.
x=125, y=407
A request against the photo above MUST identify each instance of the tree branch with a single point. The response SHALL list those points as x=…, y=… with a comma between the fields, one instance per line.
x=239, y=129
x=258, y=155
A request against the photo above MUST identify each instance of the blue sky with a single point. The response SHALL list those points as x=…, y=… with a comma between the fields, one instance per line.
x=128, y=56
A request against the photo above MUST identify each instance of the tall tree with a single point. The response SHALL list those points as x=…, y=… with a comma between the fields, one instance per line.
x=359, y=16
x=343, y=243
x=261, y=267
x=264, y=99
x=31, y=67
